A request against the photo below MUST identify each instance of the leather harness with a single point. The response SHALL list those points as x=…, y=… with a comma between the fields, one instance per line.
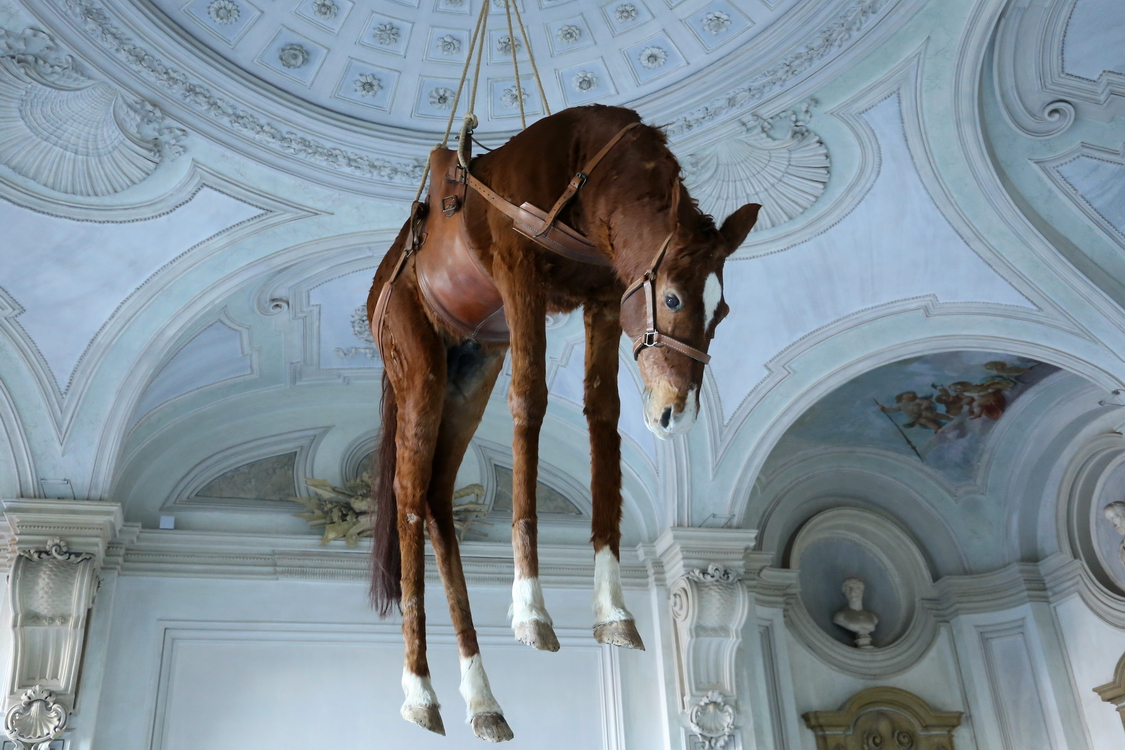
x=460, y=290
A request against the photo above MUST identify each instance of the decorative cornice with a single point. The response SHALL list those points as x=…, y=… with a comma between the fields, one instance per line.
x=194, y=93
x=831, y=37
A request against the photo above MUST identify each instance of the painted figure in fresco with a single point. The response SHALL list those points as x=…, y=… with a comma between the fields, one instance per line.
x=920, y=410
x=988, y=398
x=854, y=617
x=1005, y=369
x=954, y=398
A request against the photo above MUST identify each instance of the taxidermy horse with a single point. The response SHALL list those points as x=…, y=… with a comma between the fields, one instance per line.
x=470, y=276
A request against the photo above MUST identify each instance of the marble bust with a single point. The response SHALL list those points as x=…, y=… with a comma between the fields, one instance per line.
x=1115, y=513
x=854, y=617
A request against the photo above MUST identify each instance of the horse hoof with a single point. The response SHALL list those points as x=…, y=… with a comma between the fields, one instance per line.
x=492, y=727
x=619, y=633
x=537, y=634
x=426, y=717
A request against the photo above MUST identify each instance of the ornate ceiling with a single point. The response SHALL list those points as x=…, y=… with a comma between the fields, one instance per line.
x=196, y=194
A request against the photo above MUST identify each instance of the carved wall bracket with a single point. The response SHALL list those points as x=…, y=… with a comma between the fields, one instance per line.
x=51, y=588
x=710, y=606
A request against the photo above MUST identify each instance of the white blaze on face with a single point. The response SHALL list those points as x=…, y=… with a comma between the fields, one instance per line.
x=712, y=296
x=609, y=600
x=475, y=688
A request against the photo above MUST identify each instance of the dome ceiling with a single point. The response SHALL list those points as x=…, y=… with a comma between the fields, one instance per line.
x=398, y=63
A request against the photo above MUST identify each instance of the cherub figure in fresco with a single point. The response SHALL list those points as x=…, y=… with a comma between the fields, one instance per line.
x=920, y=410
x=988, y=398
x=954, y=398
x=1005, y=369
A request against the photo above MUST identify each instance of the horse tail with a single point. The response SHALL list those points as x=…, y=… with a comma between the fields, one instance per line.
x=386, y=558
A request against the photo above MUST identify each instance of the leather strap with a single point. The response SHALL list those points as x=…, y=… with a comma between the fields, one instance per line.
x=580, y=178
x=543, y=228
x=529, y=221
x=646, y=284
x=414, y=240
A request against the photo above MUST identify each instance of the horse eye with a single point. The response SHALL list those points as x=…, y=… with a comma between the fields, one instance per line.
x=672, y=301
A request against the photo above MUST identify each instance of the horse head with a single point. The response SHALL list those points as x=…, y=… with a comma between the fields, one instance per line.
x=671, y=311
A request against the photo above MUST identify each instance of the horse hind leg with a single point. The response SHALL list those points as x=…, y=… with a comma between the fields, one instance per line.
x=471, y=375
x=416, y=369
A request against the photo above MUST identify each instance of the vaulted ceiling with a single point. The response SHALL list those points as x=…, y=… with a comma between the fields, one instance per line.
x=195, y=197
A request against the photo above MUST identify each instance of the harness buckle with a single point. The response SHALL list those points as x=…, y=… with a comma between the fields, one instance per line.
x=579, y=180
x=450, y=205
x=649, y=338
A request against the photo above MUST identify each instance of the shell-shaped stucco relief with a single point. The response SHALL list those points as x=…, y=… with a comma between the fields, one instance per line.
x=74, y=135
x=778, y=163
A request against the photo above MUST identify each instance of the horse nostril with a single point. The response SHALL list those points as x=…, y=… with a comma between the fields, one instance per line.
x=666, y=417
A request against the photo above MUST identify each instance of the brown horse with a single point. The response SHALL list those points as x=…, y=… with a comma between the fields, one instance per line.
x=654, y=247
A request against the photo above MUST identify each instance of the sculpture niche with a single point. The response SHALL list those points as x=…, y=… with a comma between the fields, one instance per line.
x=468, y=278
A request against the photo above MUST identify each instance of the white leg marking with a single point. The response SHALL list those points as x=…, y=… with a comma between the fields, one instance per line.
x=609, y=601
x=712, y=296
x=527, y=602
x=419, y=691
x=475, y=689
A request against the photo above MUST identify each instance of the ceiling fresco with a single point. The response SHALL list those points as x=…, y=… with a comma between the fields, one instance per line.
x=939, y=409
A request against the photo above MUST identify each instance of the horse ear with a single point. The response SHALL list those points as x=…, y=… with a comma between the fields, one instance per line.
x=739, y=224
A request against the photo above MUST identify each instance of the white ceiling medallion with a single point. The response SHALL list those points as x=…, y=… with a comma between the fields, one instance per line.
x=778, y=162
x=71, y=134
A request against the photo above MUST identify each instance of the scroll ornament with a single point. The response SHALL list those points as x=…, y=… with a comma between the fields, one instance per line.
x=712, y=721
x=66, y=132
x=36, y=720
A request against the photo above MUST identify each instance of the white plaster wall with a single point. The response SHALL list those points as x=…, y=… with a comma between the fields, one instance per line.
x=213, y=664
x=817, y=687
x=1093, y=648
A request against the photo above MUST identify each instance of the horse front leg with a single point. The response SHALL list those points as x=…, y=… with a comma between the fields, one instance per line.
x=522, y=287
x=416, y=367
x=613, y=623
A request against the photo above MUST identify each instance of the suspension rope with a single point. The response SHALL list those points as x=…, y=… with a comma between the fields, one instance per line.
x=515, y=62
x=531, y=56
x=477, y=32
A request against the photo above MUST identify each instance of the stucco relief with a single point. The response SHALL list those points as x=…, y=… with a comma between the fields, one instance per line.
x=72, y=134
x=777, y=162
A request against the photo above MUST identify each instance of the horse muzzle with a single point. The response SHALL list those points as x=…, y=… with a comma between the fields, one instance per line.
x=665, y=418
